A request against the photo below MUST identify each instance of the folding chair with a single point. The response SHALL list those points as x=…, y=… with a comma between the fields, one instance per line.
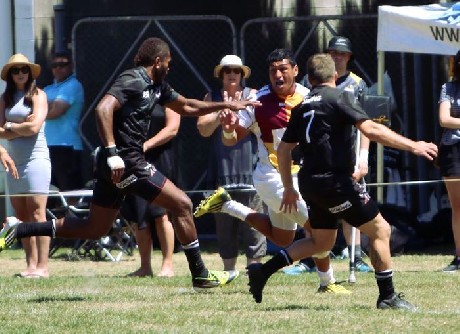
x=113, y=246
x=119, y=240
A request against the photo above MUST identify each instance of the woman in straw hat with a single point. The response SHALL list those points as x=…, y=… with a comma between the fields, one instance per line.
x=232, y=166
x=23, y=109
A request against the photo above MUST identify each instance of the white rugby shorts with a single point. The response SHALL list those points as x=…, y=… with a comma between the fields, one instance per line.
x=269, y=186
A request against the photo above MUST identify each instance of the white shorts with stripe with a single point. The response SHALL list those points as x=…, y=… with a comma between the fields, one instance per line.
x=269, y=186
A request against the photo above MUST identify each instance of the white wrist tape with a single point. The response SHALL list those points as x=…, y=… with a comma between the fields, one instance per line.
x=229, y=135
x=115, y=162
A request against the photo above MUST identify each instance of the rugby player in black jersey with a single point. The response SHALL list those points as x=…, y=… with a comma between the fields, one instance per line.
x=322, y=126
x=123, y=117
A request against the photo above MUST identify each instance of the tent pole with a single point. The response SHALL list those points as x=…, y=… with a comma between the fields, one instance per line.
x=380, y=74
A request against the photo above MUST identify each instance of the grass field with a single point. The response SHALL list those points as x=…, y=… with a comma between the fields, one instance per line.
x=89, y=297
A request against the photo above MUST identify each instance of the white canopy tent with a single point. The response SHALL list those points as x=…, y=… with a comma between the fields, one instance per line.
x=429, y=29
x=432, y=29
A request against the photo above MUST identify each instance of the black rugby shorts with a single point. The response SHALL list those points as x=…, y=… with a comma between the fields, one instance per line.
x=106, y=194
x=351, y=204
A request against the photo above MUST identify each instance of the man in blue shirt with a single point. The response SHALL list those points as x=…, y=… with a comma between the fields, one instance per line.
x=65, y=104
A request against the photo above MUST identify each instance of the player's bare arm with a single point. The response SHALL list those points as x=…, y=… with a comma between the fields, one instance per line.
x=193, y=107
x=104, y=118
x=384, y=135
x=207, y=124
x=290, y=195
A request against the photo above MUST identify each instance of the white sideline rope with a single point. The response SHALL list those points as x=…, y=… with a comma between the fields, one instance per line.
x=89, y=192
x=74, y=193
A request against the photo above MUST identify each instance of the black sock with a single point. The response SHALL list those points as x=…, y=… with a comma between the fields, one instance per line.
x=195, y=262
x=280, y=260
x=385, y=283
x=358, y=252
x=45, y=229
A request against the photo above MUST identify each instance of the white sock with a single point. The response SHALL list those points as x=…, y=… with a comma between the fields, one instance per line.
x=236, y=209
x=326, y=277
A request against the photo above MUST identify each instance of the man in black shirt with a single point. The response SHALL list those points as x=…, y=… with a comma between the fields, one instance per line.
x=323, y=127
x=123, y=117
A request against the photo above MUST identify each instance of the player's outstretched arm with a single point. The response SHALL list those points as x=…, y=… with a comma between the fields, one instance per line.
x=385, y=136
x=193, y=107
x=104, y=118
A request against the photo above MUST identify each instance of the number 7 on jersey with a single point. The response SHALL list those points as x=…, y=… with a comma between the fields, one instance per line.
x=311, y=115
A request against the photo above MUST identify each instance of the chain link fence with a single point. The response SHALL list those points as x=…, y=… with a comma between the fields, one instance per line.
x=103, y=47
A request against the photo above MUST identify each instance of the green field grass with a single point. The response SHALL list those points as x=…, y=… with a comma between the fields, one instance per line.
x=96, y=297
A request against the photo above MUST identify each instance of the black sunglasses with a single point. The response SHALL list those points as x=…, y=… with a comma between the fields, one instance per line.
x=60, y=64
x=228, y=70
x=23, y=70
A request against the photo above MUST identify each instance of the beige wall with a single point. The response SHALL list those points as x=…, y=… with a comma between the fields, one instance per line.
x=285, y=8
x=44, y=15
x=44, y=25
x=317, y=7
x=333, y=7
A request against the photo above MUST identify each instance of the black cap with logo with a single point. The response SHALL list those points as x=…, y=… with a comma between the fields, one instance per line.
x=340, y=43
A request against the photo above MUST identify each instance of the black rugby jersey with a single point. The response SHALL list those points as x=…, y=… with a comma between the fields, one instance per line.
x=138, y=95
x=323, y=126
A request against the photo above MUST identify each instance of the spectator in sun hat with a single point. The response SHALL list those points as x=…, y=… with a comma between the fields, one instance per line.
x=20, y=59
x=231, y=167
x=231, y=61
x=23, y=109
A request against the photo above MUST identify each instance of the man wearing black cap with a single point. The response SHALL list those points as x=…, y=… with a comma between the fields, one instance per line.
x=339, y=48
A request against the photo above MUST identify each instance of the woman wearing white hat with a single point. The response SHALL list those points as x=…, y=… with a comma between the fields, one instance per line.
x=23, y=109
x=232, y=167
